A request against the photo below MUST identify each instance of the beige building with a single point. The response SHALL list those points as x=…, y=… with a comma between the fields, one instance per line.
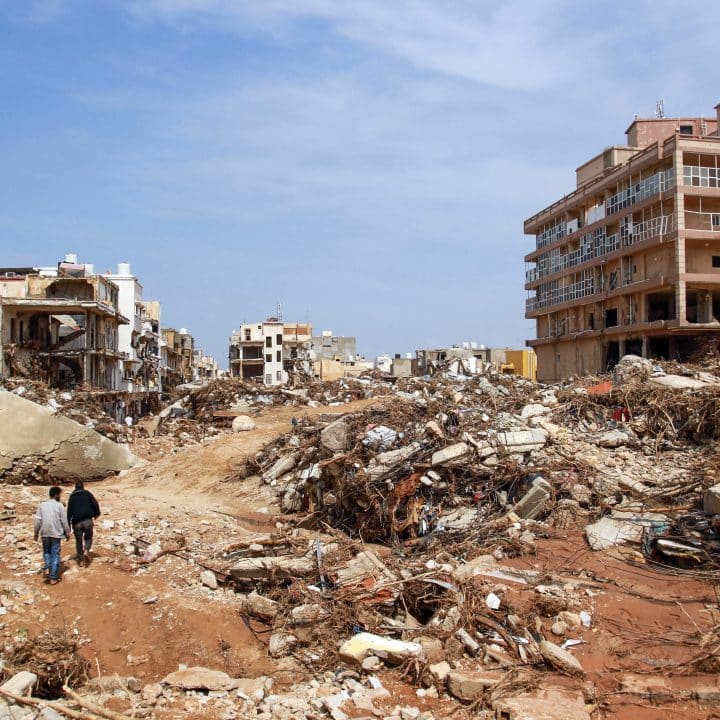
x=60, y=325
x=256, y=352
x=629, y=262
x=177, y=359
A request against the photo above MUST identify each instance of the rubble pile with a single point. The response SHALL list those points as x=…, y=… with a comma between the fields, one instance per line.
x=82, y=405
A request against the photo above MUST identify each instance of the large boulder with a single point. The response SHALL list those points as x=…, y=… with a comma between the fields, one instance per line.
x=39, y=445
x=632, y=368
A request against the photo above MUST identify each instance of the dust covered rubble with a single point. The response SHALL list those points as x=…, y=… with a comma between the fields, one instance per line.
x=399, y=530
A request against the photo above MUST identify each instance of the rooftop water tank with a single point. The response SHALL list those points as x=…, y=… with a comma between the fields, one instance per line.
x=124, y=269
x=89, y=269
x=71, y=258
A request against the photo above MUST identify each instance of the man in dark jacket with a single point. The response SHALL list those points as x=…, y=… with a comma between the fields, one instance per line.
x=82, y=509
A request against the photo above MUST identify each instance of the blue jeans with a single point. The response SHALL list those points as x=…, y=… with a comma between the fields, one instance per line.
x=51, y=556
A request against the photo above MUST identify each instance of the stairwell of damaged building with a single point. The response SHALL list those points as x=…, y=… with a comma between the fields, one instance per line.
x=628, y=262
x=73, y=328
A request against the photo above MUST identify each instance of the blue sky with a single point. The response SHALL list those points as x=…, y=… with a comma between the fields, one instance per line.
x=368, y=164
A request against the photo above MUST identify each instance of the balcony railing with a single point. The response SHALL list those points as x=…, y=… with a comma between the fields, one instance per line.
x=707, y=222
x=605, y=244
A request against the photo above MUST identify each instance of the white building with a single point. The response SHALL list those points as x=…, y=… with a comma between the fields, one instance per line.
x=256, y=352
x=139, y=340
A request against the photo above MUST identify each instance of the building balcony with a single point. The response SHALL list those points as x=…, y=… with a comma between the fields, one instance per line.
x=606, y=245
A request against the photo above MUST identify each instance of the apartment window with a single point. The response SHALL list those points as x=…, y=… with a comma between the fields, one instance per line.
x=686, y=129
x=268, y=379
x=279, y=356
x=268, y=341
x=278, y=339
x=247, y=335
x=268, y=358
x=716, y=261
x=278, y=375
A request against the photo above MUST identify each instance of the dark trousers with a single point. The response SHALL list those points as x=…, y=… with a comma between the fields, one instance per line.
x=83, y=537
x=51, y=556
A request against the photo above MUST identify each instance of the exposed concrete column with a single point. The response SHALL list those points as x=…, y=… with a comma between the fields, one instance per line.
x=644, y=346
x=679, y=205
x=621, y=346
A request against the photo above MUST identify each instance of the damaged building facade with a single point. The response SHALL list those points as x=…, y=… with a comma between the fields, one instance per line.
x=73, y=328
x=256, y=352
x=630, y=261
x=61, y=325
x=139, y=341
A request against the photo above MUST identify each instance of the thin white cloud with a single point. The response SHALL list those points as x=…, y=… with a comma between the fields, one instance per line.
x=511, y=44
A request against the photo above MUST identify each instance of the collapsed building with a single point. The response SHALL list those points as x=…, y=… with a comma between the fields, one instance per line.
x=74, y=329
x=61, y=325
x=627, y=263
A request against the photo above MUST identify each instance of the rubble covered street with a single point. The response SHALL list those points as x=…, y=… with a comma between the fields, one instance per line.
x=465, y=546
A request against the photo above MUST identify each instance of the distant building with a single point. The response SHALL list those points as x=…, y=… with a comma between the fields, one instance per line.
x=629, y=261
x=340, y=348
x=139, y=340
x=206, y=367
x=177, y=357
x=384, y=363
x=256, y=352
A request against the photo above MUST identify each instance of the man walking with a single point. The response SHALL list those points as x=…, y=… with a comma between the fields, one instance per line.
x=51, y=525
x=82, y=509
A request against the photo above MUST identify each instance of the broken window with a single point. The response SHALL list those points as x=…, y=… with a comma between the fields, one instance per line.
x=268, y=379
x=611, y=317
x=591, y=321
x=247, y=335
x=716, y=261
x=686, y=129
x=660, y=306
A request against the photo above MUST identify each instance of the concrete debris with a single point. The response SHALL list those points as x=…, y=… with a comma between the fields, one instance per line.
x=243, y=423
x=200, y=678
x=469, y=685
x=544, y=704
x=51, y=447
x=20, y=683
x=358, y=647
x=208, y=579
x=560, y=659
x=334, y=437
x=418, y=532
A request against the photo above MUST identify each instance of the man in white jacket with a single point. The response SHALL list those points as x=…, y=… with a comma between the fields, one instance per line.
x=51, y=525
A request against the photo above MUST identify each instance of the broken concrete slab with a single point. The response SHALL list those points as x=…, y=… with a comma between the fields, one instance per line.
x=265, y=567
x=711, y=500
x=386, y=461
x=200, y=678
x=64, y=449
x=534, y=501
x=308, y=614
x=470, y=684
x=450, y=454
x=618, y=528
x=280, y=644
x=280, y=467
x=261, y=607
x=334, y=436
x=254, y=689
x=544, y=704
x=522, y=441
x=208, y=579
x=359, y=646
x=20, y=683
x=560, y=659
